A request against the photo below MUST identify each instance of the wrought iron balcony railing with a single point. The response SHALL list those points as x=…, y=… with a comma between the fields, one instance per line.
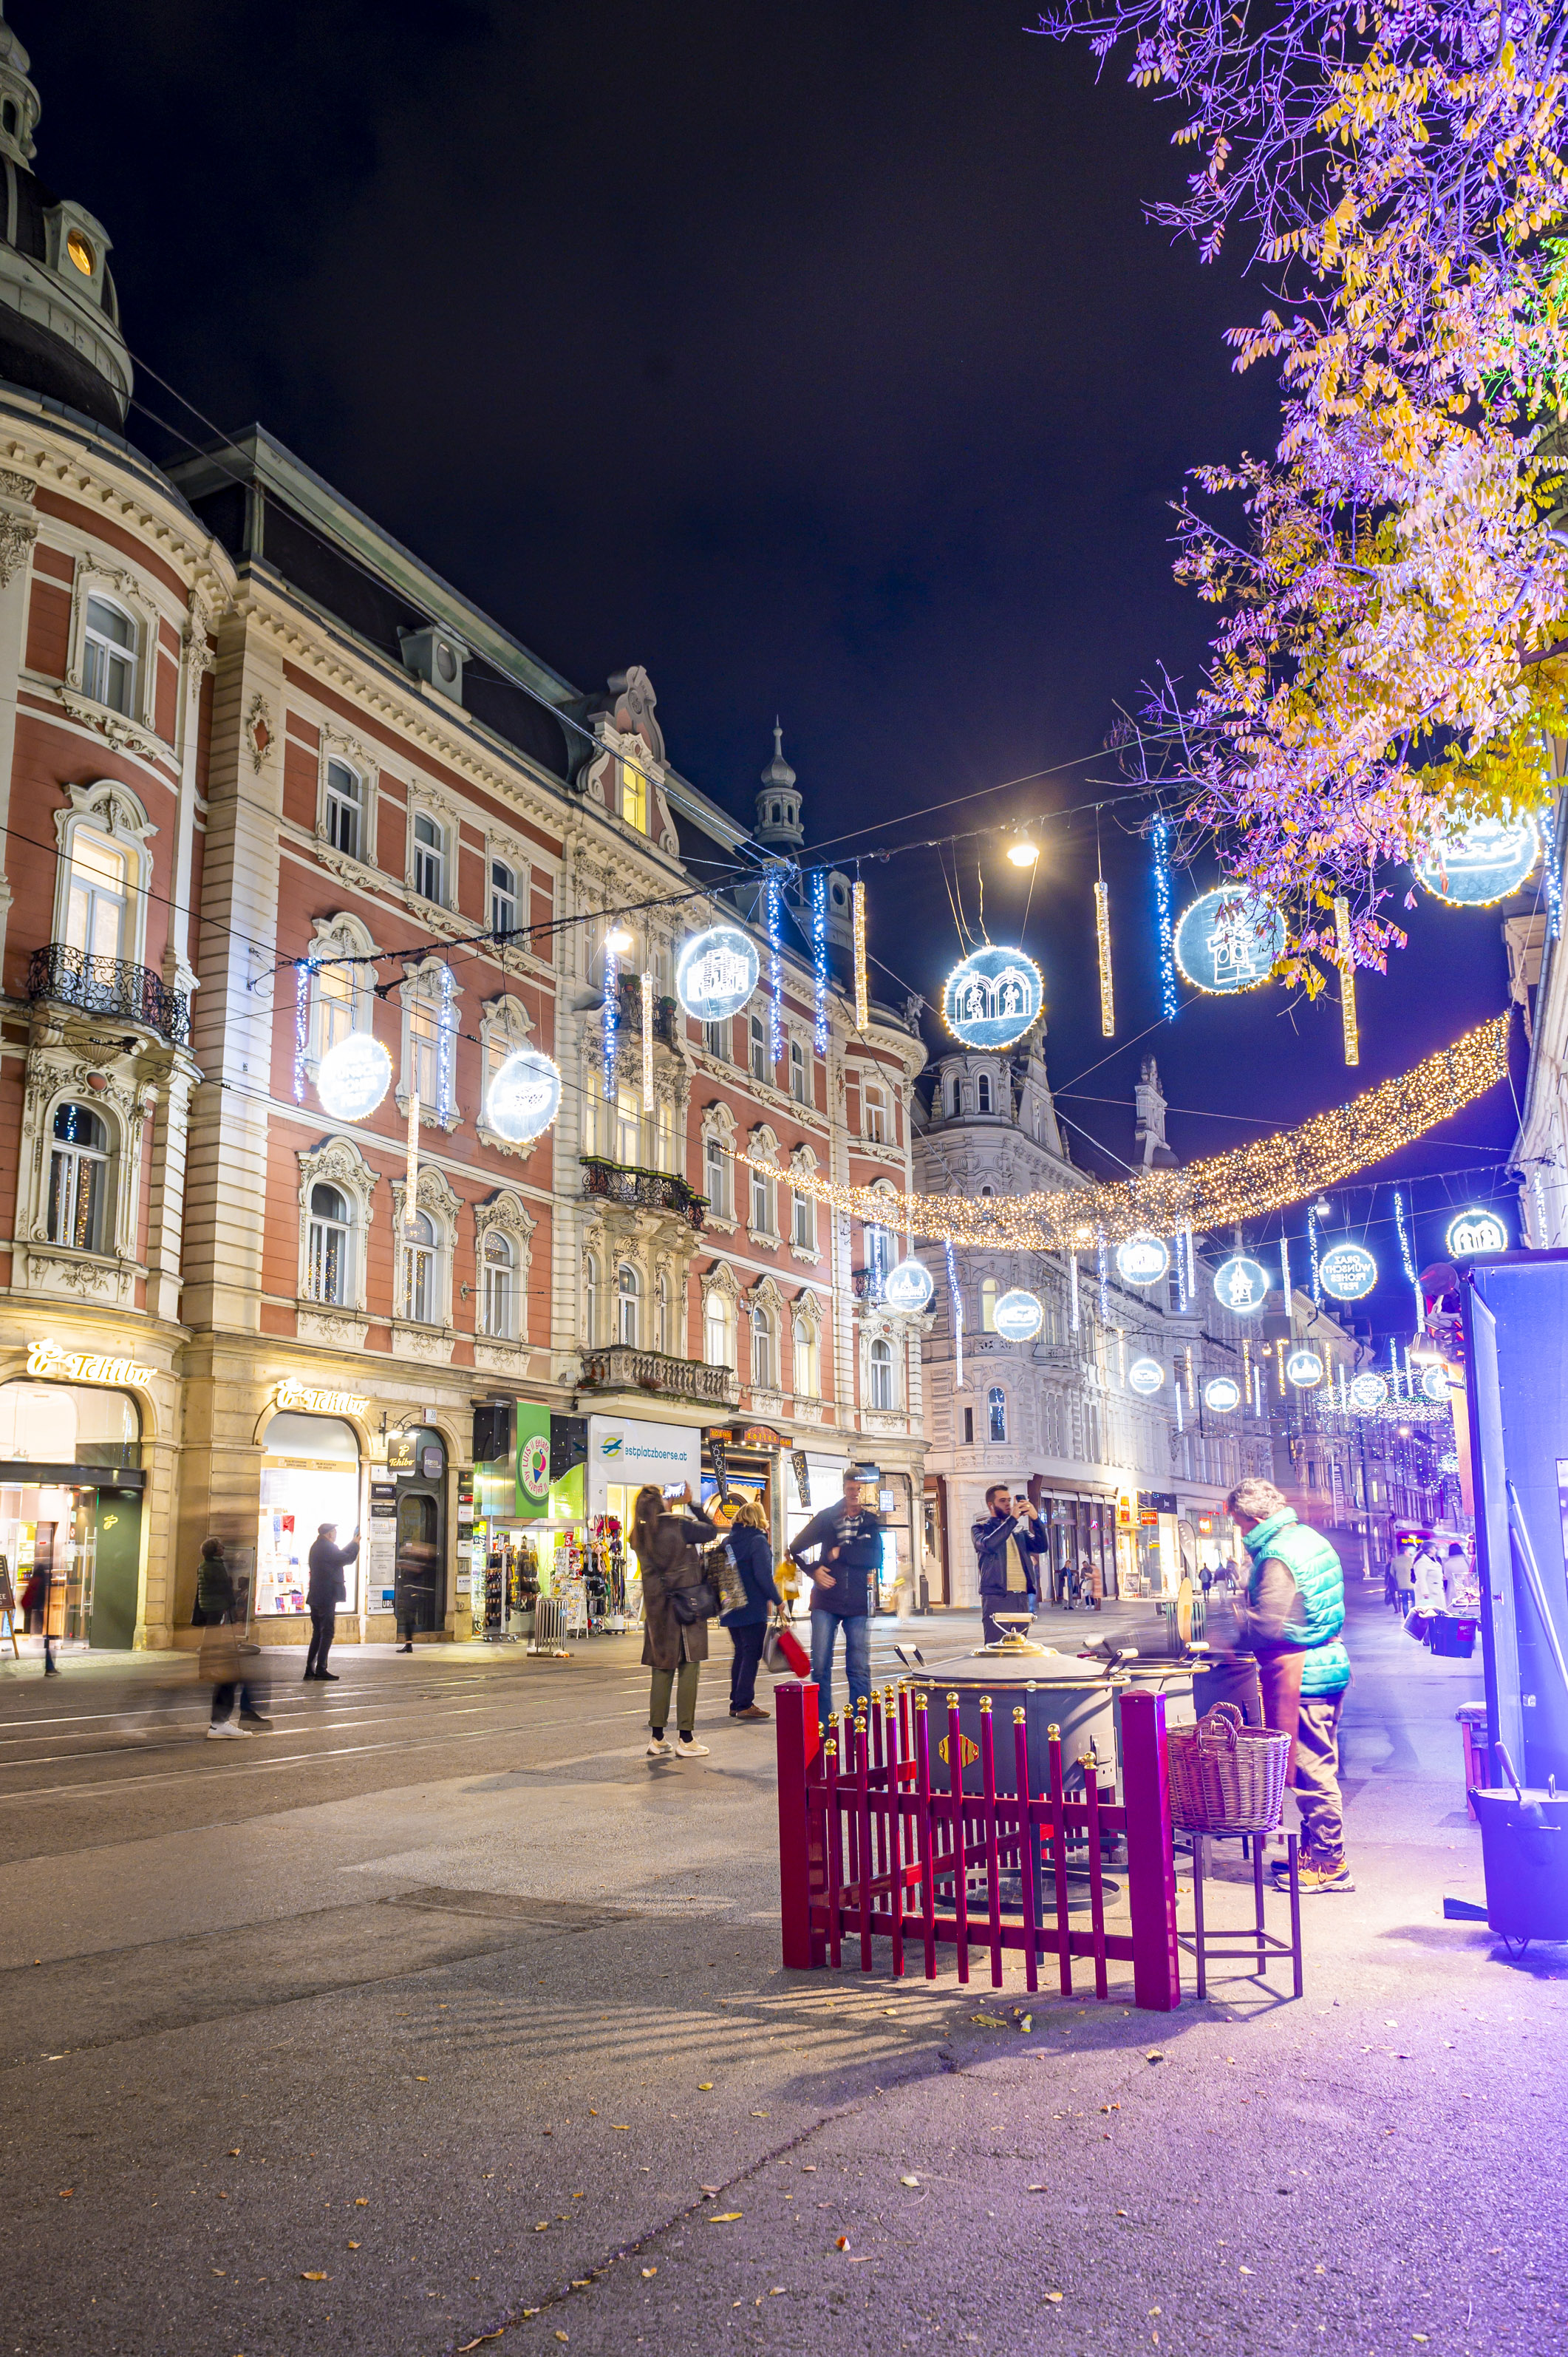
x=110, y=986
x=619, y=1368
x=643, y=1190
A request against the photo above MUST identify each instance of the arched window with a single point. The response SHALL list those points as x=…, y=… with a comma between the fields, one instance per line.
x=79, y=1180
x=661, y=1314
x=806, y=1360
x=429, y=877
x=497, y=1303
x=997, y=1413
x=957, y=1096
x=798, y=1072
x=334, y=1005
x=876, y=1097
x=716, y=1344
x=418, y=1289
x=988, y=1305
x=109, y=656
x=629, y=1306
x=327, y=1249
x=760, y=1068
x=345, y=808
x=881, y=1373
x=634, y=797
x=762, y=1361
x=97, y=906
x=503, y=898
x=982, y=1096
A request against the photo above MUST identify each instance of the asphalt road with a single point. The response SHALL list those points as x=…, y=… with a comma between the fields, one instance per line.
x=440, y=2013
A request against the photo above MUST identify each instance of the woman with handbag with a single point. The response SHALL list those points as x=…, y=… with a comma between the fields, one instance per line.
x=747, y=1544
x=678, y=1601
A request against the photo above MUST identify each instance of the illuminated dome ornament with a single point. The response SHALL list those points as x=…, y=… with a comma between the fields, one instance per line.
x=1018, y=1316
x=1143, y=1260
x=1241, y=1284
x=1222, y=1395
x=524, y=1097
x=908, y=1285
x=991, y=998
x=1304, y=1368
x=354, y=1077
x=1225, y=943
x=716, y=973
x=1347, y=1271
x=1369, y=1390
x=1435, y=1385
x=1475, y=1231
x=1483, y=863
x=1145, y=1376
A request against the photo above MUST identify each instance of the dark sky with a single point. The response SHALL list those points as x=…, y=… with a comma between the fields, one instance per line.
x=818, y=358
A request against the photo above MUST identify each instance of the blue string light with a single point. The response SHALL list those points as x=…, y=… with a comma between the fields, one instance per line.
x=773, y=902
x=1311, y=1248
x=957, y=1299
x=304, y=974
x=819, y=956
x=445, y=1106
x=1104, y=1280
x=1554, y=883
x=1181, y=1274
x=611, y=1028
x=1163, y=916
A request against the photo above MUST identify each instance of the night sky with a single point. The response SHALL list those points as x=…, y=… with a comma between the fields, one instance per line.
x=819, y=359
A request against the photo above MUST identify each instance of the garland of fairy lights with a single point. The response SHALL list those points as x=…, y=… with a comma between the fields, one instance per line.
x=1162, y=831
x=820, y=959
x=1223, y=1191
x=1102, y=946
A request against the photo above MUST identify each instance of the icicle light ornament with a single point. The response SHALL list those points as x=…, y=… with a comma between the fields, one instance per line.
x=1102, y=944
x=716, y=973
x=858, y=923
x=956, y=1298
x=410, y=1171
x=610, y=1023
x=1226, y=943
x=1242, y=1185
x=354, y=1077
x=645, y=994
x=819, y=975
x=992, y=997
x=773, y=904
x=1162, y=832
x=1349, y=1023
x=445, y=1043
x=304, y=974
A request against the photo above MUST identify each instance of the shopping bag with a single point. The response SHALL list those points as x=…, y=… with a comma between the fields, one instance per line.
x=783, y=1653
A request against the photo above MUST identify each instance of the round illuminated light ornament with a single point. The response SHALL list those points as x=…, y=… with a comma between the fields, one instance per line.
x=354, y=1077
x=1369, y=1390
x=1225, y=941
x=1347, y=1271
x=1145, y=1376
x=1241, y=1284
x=1483, y=863
x=716, y=973
x=1018, y=1316
x=1475, y=1231
x=908, y=1285
x=524, y=1097
x=1304, y=1368
x=1143, y=1260
x=992, y=997
x=1435, y=1385
x=1222, y=1395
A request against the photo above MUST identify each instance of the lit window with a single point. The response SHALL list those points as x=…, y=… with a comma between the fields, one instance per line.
x=876, y=1114
x=497, y=1303
x=761, y=1350
x=805, y=1226
x=345, y=808
x=997, y=1413
x=429, y=859
x=95, y=911
x=716, y=1348
x=761, y=1069
x=715, y=1177
x=109, y=656
x=503, y=898
x=798, y=1072
x=419, y=1271
x=334, y=1005
x=79, y=1180
x=629, y=1304
x=988, y=1306
x=634, y=797
x=327, y=1246
x=881, y=1373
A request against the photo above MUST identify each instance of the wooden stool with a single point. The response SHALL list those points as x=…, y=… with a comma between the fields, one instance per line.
x=1235, y=1942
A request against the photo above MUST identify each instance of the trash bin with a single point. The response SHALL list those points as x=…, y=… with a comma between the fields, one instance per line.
x=1452, y=1635
x=1524, y=1845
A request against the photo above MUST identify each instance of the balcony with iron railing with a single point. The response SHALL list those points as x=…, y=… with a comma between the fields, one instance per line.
x=111, y=988
x=643, y=1190
x=618, y=1367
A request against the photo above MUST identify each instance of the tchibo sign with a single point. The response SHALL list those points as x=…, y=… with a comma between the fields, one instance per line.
x=624, y=1454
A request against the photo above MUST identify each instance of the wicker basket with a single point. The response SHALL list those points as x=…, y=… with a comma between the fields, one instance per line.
x=1226, y=1777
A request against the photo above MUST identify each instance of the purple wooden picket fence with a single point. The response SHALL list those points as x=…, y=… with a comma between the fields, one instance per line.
x=865, y=1838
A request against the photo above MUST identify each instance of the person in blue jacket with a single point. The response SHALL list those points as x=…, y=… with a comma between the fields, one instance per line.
x=1009, y=1543
x=749, y=1547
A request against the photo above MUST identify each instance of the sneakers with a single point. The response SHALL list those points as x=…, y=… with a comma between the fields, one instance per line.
x=1315, y=1874
x=220, y=1727
x=752, y=1710
x=688, y=1747
x=658, y=1749
x=252, y=1723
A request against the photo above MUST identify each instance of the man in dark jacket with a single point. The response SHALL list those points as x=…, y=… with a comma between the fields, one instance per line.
x=848, y=1540
x=324, y=1593
x=1009, y=1543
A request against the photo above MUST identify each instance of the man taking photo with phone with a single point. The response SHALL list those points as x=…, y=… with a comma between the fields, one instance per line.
x=1009, y=1543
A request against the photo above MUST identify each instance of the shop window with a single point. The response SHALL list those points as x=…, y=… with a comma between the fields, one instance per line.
x=497, y=1303
x=798, y=1073
x=503, y=898
x=718, y=1332
x=97, y=903
x=79, y=1180
x=982, y=1092
x=310, y=1474
x=876, y=1117
x=344, y=810
x=429, y=876
x=109, y=656
x=803, y=1229
x=761, y=1069
x=715, y=1177
x=806, y=1369
x=326, y=1254
x=988, y=1305
x=763, y=1364
x=997, y=1413
x=628, y=1307
x=633, y=797
x=417, y=1291
x=881, y=1373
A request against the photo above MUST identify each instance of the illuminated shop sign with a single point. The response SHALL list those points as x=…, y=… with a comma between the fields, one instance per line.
x=308, y=1402
x=57, y=1364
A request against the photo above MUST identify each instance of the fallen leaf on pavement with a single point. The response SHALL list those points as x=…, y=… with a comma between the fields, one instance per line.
x=1053, y=2295
x=464, y=2345
x=563, y=2336
x=908, y=2180
x=710, y=2189
x=860, y=2259
x=1154, y=2055
x=313, y=2275
x=361, y=2202
x=621, y=2127
x=353, y=2246
x=704, y=2086
x=724, y=2217
x=648, y=2273
x=66, y=2191
x=543, y=2226
x=842, y=2243
x=234, y=2152
x=422, y=2078
x=774, y=2292
x=989, y=2021
x=759, y=2115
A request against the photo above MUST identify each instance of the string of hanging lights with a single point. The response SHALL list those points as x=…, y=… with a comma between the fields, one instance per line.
x=1221, y=1191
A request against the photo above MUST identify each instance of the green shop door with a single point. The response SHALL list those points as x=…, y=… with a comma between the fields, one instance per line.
x=118, y=1554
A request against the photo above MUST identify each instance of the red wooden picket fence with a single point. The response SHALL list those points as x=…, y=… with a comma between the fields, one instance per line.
x=865, y=1838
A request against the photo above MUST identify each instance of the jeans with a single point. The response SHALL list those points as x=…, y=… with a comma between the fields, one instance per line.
x=323, y=1628
x=747, y=1643
x=223, y=1702
x=856, y=1630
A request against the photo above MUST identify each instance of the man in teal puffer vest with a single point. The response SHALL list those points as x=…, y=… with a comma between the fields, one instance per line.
x=1291, y=1619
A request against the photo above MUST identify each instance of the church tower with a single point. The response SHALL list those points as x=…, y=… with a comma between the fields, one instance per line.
x=778, y=826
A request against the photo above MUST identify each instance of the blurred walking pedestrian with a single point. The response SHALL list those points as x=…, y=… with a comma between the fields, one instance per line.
x=674, y=1648
x=1402, y=1576
x=324, y=1593
x=35, y=1604
x=225, y=1661
x=751, y=1552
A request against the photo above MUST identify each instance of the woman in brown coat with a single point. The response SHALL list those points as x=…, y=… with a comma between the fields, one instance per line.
x=665, y=1545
